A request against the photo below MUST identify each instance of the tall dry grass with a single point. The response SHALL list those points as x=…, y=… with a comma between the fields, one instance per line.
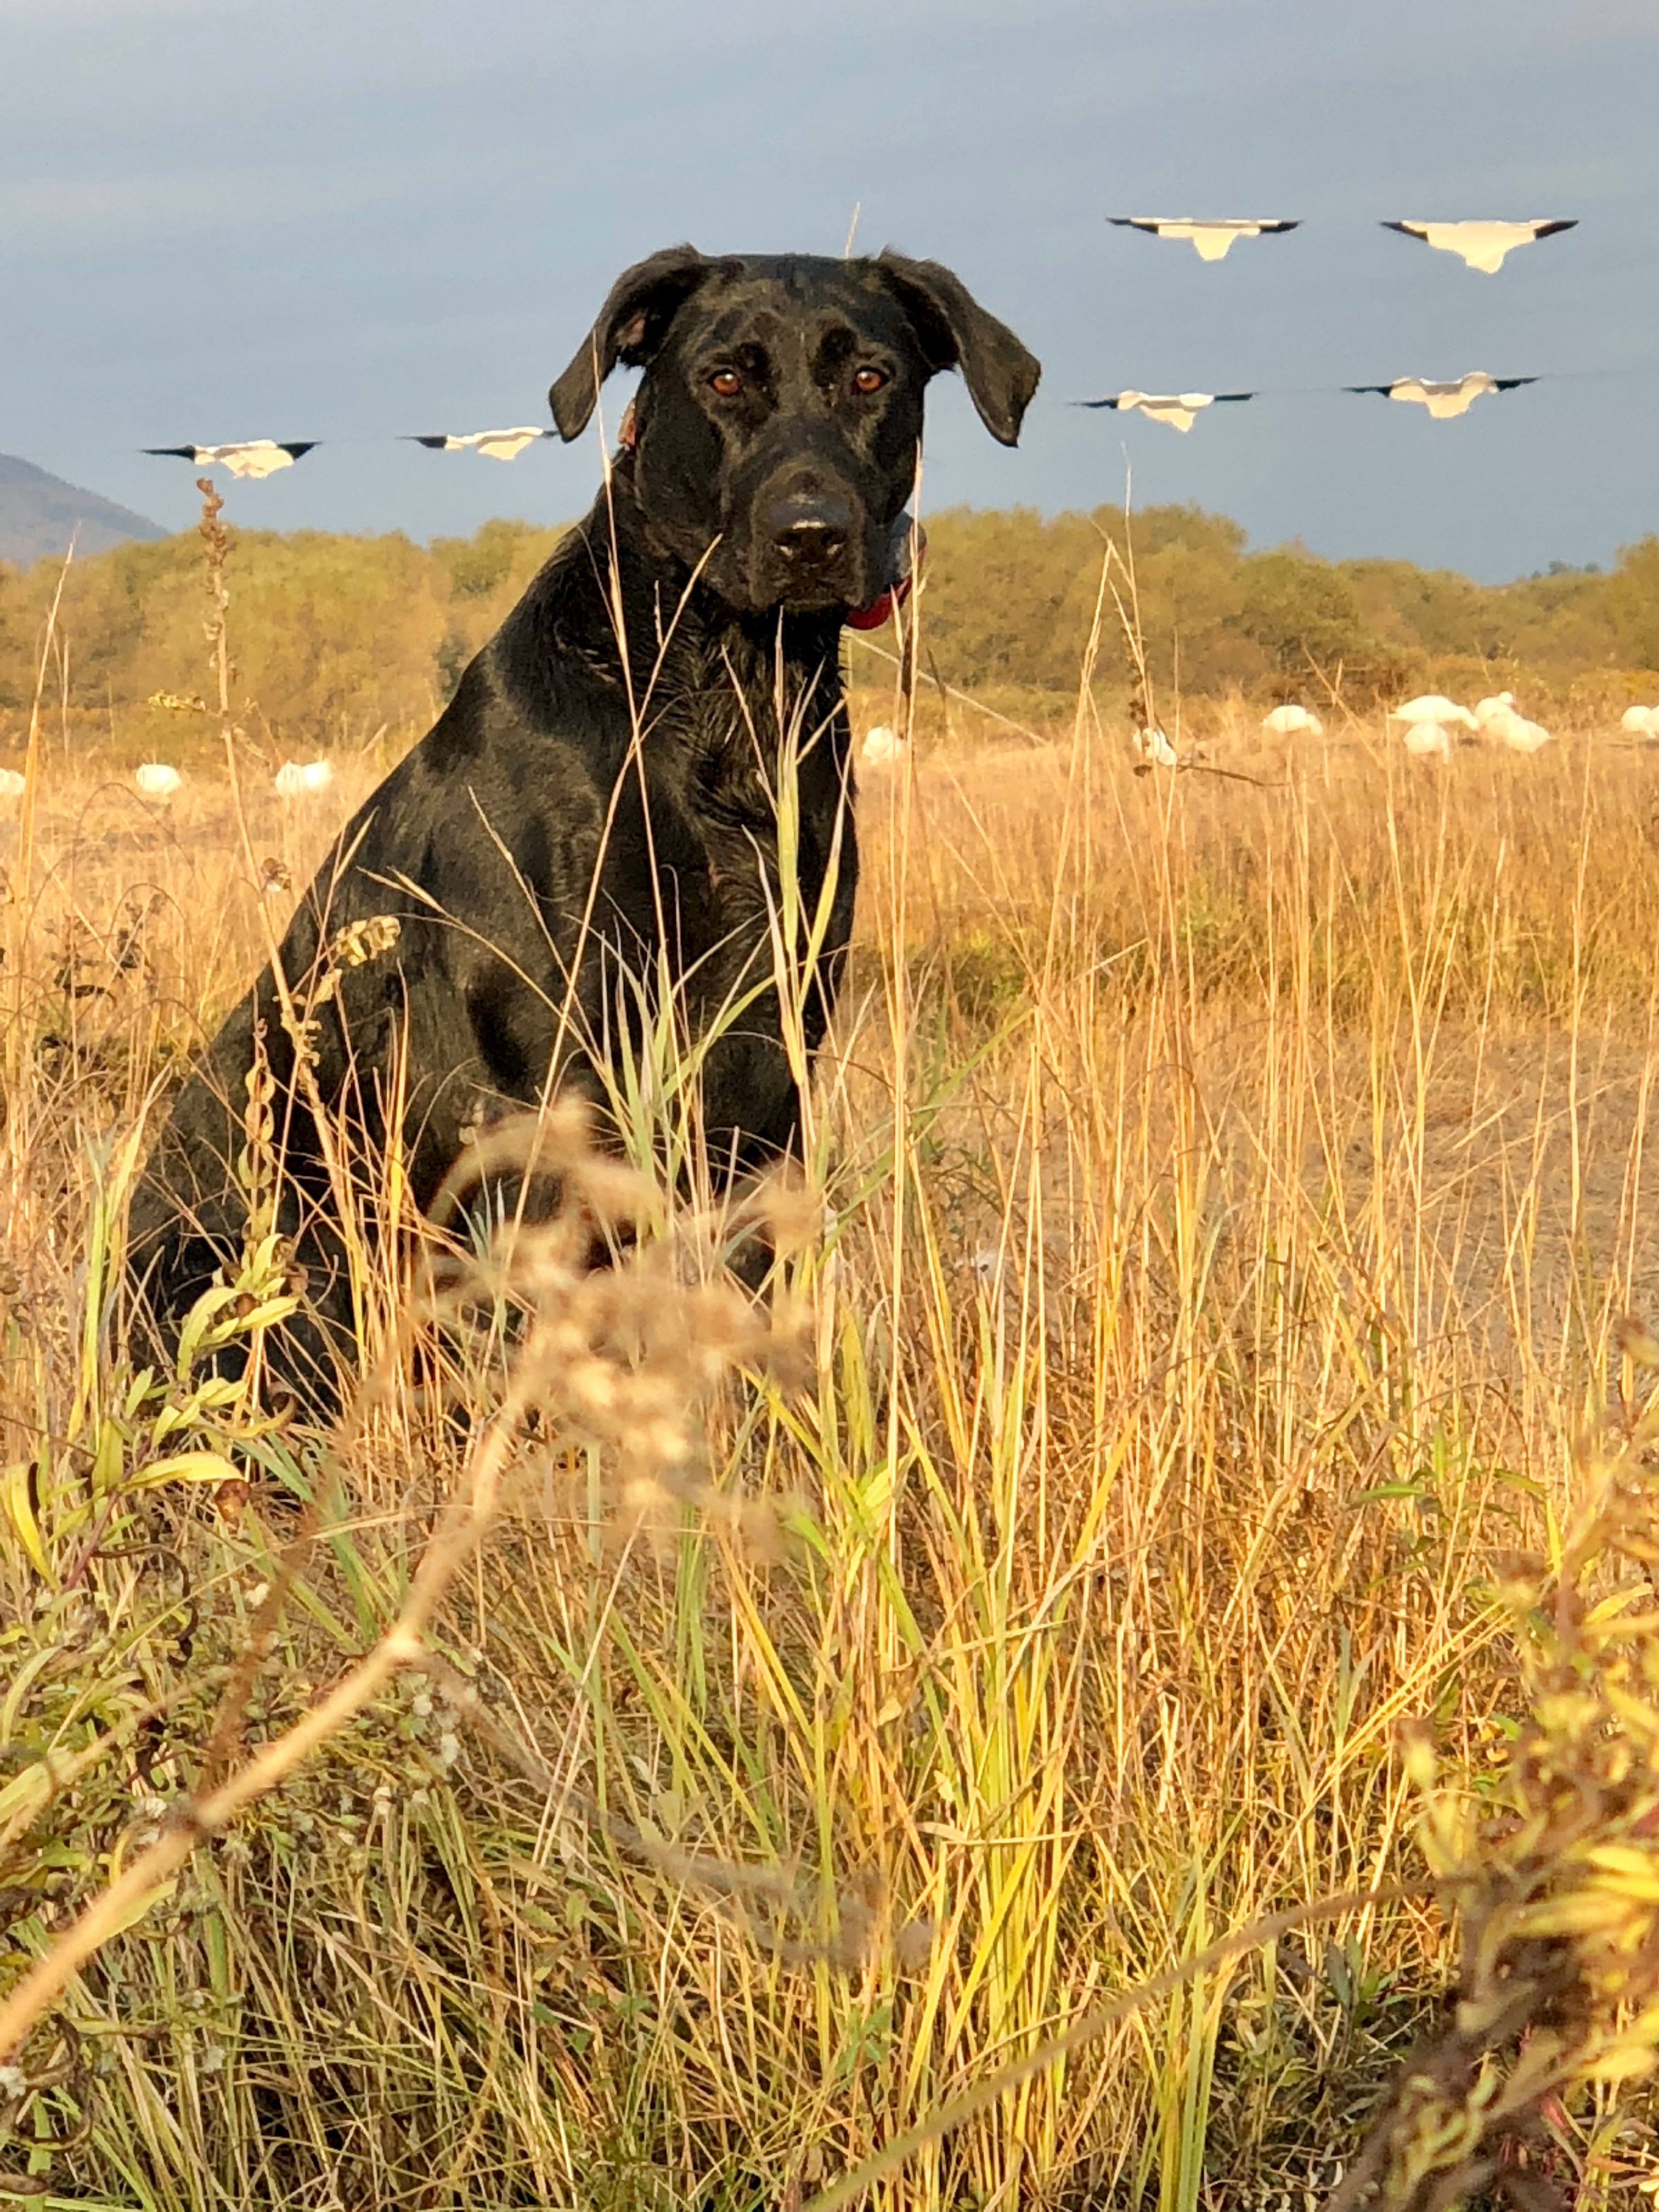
x=1233, y=1189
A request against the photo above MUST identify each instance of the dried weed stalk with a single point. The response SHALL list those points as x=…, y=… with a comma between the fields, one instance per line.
x=1555, y=1878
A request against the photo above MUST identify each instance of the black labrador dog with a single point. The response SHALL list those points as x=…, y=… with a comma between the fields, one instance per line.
x=595, y=815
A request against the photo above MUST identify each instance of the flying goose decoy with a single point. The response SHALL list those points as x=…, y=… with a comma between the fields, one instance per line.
x=253, y=457
x=1444, y=400
x=1177, y=408
x=1214, y=239
x=499, y=445
x=1481, y=245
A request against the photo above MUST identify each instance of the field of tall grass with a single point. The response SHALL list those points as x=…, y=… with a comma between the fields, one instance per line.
x=1044, y=1713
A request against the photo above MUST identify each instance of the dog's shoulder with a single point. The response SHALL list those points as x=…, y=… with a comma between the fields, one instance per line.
x=550, y=672
x=518, y=766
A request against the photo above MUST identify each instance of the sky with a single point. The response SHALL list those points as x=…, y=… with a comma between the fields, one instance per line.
x=343, y=219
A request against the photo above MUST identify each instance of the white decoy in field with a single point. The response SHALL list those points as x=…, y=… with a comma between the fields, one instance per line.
x=881, y=747
x=1177, y=408
x=1434, y=707
x=1213, y=239
x=158, y=780
x=1492, y=710
x=1293, y=722
x=11, y=783
x=1147, y=733
x=1444, y=400
x=1428, y=740
x=1520, y=735
x=1482, y=245
x=298, y=780
x=1640, y=721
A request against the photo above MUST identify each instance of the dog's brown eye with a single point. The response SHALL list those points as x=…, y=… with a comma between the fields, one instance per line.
x=726, y=383
x=869, y=380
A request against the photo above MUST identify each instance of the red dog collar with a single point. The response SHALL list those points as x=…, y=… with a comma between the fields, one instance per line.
x=900, y=574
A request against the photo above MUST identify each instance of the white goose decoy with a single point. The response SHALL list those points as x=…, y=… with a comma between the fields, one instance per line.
x=881, y=747
x=158, y=780
x=1428, y=740
x=1481, y=245
x=1491, y=711
x=11, y=783
x=1434, y=707
x=1177, y=408
x=499, y=445
x=1640, y=721
x=1214, y=239
x=253, y=457
x=1443, y=400
x=1520, y=735
x=297, y=780
x=1292, y=722
x=1151, y=745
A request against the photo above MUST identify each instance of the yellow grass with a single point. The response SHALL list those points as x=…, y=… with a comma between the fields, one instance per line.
x=1233, y=1186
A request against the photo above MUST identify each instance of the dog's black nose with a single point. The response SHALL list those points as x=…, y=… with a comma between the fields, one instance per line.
x=808, y=531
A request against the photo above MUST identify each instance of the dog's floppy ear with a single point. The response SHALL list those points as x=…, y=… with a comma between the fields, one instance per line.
x=631, y=327
x=956, y=332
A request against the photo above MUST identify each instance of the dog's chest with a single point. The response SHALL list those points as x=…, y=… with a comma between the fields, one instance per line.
x=729, y=816
x=738, y=818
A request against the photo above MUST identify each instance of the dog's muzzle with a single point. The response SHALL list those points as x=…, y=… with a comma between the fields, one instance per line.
x=807, y=544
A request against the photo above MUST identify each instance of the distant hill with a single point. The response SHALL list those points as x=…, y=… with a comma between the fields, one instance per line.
x=39, y=512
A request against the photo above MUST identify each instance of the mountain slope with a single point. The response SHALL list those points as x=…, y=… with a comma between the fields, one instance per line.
x=39, y=513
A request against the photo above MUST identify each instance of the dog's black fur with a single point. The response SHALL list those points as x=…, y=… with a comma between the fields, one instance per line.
x=600, y=794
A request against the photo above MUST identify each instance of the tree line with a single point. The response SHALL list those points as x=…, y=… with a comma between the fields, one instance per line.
x=337, y=638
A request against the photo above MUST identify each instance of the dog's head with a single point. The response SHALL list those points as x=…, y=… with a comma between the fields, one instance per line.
x=780, y=417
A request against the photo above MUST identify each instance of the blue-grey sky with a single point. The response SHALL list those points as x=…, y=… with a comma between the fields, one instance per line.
x=342, y=218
